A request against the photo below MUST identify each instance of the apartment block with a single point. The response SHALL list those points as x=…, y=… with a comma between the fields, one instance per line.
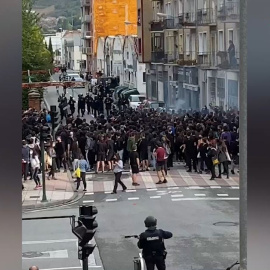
x=194, y=53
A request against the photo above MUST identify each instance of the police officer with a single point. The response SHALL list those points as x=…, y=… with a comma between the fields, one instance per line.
x=152, y=244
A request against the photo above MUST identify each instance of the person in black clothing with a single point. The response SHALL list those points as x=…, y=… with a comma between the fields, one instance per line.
x=101, y=153
x=211, y=157
x=71, y=104
x=110, y=152
x=134, y=162
x=78, y=121
x=82, y=140
x=100, y=103
x=81, y=105
x=190, y=146
x=60, y=154
x=143, y=152
x=119, y=145
x=91, y=150
x=152, y=244
x=108, y=104
x=88, y=103
x=96, y=106
x=202, y=149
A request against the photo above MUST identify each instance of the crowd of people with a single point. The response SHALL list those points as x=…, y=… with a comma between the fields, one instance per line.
x=138, y=139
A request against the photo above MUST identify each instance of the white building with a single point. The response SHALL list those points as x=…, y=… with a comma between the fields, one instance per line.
x=73, y=57
x=118, y=58
x=57, y=45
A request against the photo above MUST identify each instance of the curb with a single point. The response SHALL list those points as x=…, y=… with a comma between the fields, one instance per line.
x=43, y=206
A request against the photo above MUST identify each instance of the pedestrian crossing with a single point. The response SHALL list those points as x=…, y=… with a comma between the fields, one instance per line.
x=147, y=180
x=174, y=195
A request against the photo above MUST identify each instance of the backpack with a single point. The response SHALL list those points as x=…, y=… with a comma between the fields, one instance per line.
x=48, y=118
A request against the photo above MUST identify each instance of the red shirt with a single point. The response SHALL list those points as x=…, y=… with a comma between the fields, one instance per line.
x=160, y=154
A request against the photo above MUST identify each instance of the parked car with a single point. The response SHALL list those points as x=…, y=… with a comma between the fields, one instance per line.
x=129, y=92
x=135, y=101
x=117, y=91
x=77, y=78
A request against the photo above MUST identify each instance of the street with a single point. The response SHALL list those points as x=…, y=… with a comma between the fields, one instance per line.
x=189, y=213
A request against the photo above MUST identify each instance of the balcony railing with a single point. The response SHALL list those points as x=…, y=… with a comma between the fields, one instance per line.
x=189, y=19
x=157, y=56
x=171, y=57
x=157, y=25
x=86, y=18
x=206, y=16
x=87, y=34
x=229, y=12
x=227, y=60
x=86, y=3
x=187, y=59
x=173, y=23
x=87, y=50
x=207, y=59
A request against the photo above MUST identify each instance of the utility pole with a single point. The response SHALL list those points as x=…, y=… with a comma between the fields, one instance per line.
x=243, y=135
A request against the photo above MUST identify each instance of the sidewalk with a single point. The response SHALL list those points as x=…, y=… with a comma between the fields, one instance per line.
x=57, y=192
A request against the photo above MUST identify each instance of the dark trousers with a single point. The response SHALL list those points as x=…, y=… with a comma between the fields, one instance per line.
x=212, y=169
x=117, y=180
x=35, y=176
x=91, y=158
x=72, y=109
x=153, y=261
x=53, y=167
x=83, y=174
x=225, y=167
x=88, y=107
x=170, y=160
x=25, y=168
x=194, y=162
x=108, y=111
x=60, y=161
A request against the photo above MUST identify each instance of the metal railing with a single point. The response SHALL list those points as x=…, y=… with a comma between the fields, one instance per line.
x=189, y=19
x=226, y=60
x=173, y=23
x=87, y=50
x=171, y=57
x=87, y=34
x=187, y=58
x=206, y=16
x=157, y=56
x=207, y=59
x=229, y=12
x=86, y=3
x=157, y=25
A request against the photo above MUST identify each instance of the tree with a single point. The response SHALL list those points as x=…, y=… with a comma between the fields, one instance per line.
x=46, y=46
x=50, y=49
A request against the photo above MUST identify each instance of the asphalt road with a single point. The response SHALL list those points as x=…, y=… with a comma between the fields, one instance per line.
x=197, y=243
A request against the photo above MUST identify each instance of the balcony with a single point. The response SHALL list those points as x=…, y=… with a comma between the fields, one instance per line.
x=207, y=59
x=157, y=26
x=206, y=17
x=157, y=56
x=86, y=19
x=230, y=12
x=87, y=50
x=173, y=23
x=228, y=61
x=87, y=35
x=186, y=59
x=189, y=19
x=86, y=3
x=170, y=57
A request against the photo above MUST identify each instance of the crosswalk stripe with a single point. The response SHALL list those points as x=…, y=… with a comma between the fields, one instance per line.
x=148, y=181
x=177, y=195
x=223, y=195
x=205, y=199
x=199, y=195
x=155, y=197
x=133, y=198
x=111, y=200
x=90, y=201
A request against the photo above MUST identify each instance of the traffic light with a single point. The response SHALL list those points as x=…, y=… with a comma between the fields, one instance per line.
x=45, y=134
x=86, y=230
x=54, y=117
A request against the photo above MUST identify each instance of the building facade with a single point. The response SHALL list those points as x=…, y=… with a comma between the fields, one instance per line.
x=194, y=53
x=101, y=18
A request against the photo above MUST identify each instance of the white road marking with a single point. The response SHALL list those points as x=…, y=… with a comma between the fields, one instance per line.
x=155, y=197
x=56, y=254
x=177, y=195
x=215, y=187
x=107, y=192
x=176, y=191
x=133, y=198
x=199, y=195
x=151, y=189
x=223, y=195
x=234, y=187
x=111, y=200
x=90, y=201
x=131, y=190
x=162, y=191
x=49, y=241
x=194, y=187
x=89, y=193
x=173, y=187
x=206, y=199
x=70, y=268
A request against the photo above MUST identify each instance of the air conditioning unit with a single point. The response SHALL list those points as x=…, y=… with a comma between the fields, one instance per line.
x=147, y=72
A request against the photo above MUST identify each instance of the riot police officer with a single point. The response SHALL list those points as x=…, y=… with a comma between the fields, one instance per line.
x=152, y=244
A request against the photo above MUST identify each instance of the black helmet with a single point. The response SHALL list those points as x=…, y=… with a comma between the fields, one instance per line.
x=150, y=222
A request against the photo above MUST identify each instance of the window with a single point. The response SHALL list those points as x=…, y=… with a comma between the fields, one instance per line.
x=230, y=35
x=204, y=40
x=200, y=43
x=187, y=44
x=127, y=55
x=221, y=40
x=144, y=77
x=139, y=16
x=140, y=45
x=157, y=42
x=180, y=43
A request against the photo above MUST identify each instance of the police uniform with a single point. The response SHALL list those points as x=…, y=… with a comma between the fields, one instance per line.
x=152, y=244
